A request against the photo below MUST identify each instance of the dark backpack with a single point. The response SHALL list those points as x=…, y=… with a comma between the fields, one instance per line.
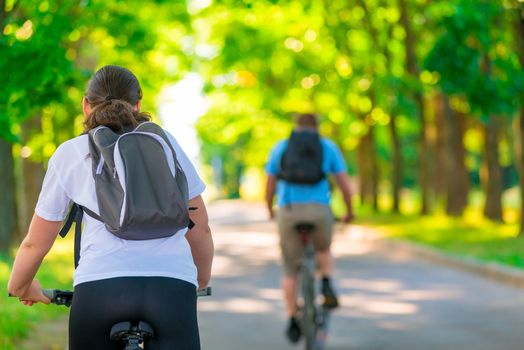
x=301, y=162
x=141, y=189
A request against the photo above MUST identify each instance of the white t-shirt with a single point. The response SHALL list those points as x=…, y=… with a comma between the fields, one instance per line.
x=69, y=178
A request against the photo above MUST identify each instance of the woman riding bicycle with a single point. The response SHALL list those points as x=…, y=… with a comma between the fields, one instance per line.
x=151, y=280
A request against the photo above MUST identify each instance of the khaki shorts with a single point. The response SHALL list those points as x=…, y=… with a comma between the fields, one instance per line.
x=291, y=247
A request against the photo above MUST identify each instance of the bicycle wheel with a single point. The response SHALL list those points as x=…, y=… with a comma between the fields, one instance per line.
x=309, y=309
x=322, y=322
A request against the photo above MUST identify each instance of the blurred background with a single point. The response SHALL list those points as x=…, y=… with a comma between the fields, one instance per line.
x=424, y=98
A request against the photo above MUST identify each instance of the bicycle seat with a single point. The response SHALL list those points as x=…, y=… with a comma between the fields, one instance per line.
x=304, y=227
x=123, y=329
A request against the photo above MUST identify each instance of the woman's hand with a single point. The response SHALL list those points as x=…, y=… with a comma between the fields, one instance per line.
x=34, y=295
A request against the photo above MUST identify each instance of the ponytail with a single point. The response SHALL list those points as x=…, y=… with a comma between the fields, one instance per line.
x=117, y=115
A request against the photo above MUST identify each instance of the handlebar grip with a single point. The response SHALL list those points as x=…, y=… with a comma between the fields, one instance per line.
x=204, y=292
x=59, y=297
x=50, y=293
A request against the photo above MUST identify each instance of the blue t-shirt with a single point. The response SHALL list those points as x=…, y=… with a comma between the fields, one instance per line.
x=289, y=193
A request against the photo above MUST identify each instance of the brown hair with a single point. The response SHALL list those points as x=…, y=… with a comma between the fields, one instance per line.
x=112, y=94
x=308, y=120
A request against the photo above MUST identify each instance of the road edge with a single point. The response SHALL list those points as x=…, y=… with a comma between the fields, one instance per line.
x=490, y=270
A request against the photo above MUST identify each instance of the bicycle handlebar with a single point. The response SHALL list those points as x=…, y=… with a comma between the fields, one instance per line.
x=65, y=297
x=204, y=292
x=59, y=297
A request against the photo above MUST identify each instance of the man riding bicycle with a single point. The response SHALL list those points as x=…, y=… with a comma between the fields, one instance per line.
x=297, y=173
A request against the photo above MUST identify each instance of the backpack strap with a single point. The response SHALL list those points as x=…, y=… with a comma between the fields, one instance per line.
x=75, y=216
x=69, y=221
x=91, y=214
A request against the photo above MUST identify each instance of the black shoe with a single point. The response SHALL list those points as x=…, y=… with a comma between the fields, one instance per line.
x=293, y=331
x=330, y=298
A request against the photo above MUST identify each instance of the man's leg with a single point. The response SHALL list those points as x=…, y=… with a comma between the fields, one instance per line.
x=289, y=287
x=291, y=249
x=325, y=261
x=325, y=266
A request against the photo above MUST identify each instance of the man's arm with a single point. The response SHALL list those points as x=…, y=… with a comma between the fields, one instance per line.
x=200, y=240
x=271, y=185
x=342, y=180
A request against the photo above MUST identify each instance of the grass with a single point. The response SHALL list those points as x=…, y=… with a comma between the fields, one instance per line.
x=17, y=320
x=470, y=235
x=477, y=238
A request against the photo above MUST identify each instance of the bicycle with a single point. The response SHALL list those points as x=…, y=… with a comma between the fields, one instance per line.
x=315, y=318
x=133, y=335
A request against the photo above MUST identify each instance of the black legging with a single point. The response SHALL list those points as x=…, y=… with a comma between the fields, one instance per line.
x=167, y=304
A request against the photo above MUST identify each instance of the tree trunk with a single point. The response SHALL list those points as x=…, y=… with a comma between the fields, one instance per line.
x=368, y=170
x=397, y=165
x=31, y=177
x=33, y=174
x=520, y=166
x=374, y=168
x=493, y=173
x=8, y=218
x=397, y=160
x=372, y=155
x=3, y=14
x=520, y=137
x=456, y=172
x=8, y=214
x=412, y=68
x=438, y=180
x=364, y=170
x=424, y=158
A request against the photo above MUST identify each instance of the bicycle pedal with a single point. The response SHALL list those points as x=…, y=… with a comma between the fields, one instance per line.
x=330, y=303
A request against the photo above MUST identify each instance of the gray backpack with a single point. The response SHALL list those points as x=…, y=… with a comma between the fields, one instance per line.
x=141, y=189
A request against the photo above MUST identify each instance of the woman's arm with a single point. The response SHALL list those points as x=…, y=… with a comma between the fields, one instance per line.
x=200, y=240
x=34, y=247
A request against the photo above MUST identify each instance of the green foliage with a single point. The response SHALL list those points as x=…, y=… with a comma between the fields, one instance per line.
x=34, y=65
x=49, y=52
x=475, y=58
x=261, y=60
x=17, y=320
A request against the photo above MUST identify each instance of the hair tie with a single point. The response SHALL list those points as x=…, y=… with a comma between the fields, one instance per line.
x=110, y=97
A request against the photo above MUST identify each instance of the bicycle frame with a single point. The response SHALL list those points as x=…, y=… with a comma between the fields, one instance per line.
x=314, y=318
x=309, y=313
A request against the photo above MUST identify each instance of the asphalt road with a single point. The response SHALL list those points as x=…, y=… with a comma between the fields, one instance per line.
x=389, y=300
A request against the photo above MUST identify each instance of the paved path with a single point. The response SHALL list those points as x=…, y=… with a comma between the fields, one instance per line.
x=389, y=301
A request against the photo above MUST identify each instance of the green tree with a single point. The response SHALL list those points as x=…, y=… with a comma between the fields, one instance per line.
x=475, y=63
x=49, y=50
x=519, y=48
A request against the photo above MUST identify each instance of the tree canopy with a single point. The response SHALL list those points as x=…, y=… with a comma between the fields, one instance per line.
x=416, y=93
